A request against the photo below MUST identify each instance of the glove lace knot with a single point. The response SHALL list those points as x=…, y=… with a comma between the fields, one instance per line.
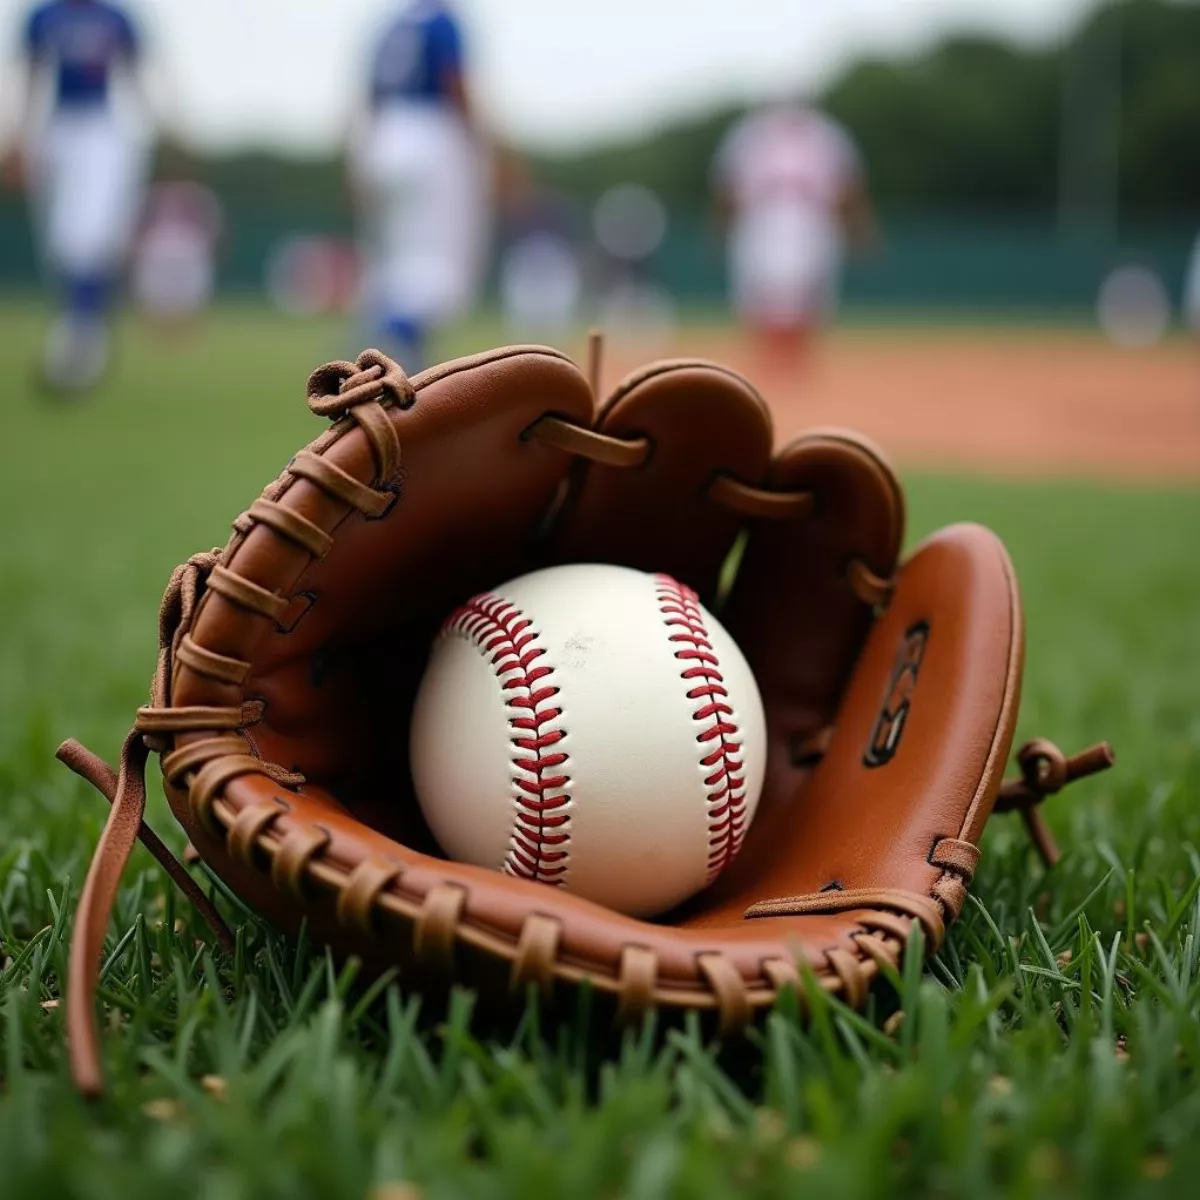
x=337, y=387
x=360, y=390
x=1045, y=769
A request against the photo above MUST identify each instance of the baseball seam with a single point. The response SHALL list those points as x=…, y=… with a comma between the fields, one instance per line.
x=719, y=736
x=538, y=846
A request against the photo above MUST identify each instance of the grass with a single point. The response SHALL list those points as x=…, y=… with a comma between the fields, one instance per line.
x=1051, y=1048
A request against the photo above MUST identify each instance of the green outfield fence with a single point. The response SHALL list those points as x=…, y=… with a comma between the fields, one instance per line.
x=929, y=262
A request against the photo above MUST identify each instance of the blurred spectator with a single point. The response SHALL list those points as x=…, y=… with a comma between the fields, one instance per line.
x=417, y=170
x=791, y=192
x=1133, y=307
x=630, y=224
x=311, y=274
x=175, y=251
x=1191, y=290
x=84, y=166
x=541, y=273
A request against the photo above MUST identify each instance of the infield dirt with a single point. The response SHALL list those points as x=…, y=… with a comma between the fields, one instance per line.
x=1006, y=402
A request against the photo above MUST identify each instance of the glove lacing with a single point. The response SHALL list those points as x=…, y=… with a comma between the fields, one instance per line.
x=352, y=389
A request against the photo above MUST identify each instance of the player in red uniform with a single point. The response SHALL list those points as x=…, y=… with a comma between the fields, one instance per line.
x=174, y=258
x=791, y=192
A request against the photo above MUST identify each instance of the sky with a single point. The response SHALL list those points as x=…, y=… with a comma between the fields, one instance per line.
x=548, y=74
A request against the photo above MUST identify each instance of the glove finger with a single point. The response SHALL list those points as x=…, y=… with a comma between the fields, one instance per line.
x=702, y=421
x=370, y=589
x=802, y=604
x=911, y=771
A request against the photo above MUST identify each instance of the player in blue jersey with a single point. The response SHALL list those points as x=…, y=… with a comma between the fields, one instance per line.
x=84, y=167
x=418, y=172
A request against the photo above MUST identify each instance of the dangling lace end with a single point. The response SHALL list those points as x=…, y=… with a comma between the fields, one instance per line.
x=103, y=778
x=1041, y=837
x=126, y=793
x=1045, y=769
x=128, y=796
x=595, y=360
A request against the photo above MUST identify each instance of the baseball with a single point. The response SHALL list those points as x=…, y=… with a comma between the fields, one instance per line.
x=593, y=728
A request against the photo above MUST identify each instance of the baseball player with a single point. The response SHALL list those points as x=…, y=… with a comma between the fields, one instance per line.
x=174, y=255
x=791, y=193
x=417, y=171
x=84, y=167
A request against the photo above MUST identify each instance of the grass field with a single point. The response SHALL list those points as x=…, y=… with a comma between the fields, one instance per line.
x=1051, y=1048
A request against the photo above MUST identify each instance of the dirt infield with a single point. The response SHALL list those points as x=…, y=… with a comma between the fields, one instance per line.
x=1010, y=402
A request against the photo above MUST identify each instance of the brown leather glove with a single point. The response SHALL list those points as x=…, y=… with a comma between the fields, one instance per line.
x=290, y=659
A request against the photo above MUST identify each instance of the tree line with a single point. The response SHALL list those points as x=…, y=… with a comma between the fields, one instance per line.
x=973, y=124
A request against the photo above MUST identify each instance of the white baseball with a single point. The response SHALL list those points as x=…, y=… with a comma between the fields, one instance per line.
x=594, y=728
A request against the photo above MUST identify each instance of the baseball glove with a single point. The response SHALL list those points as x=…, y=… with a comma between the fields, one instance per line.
x=289, y=661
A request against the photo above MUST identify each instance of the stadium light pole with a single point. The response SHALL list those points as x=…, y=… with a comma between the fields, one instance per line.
x=1089, y=127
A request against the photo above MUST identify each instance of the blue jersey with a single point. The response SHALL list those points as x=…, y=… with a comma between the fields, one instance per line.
x=417, y=55
x=83, y=41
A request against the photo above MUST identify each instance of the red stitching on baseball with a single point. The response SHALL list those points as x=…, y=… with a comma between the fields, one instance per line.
x=719, y=735
x=538, y=848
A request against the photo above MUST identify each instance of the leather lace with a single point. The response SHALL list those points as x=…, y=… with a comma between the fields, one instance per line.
x=216, y=753
x=1044, y=771
x=337, y=390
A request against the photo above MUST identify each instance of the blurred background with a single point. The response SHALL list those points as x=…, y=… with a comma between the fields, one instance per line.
x=994, y=169
x=964, y=228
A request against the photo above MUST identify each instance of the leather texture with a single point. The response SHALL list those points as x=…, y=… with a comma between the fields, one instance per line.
x=475, y=490
x=290, y=659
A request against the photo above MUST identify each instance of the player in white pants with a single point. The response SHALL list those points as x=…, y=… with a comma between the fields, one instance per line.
x=418, y=171
x=791, y=193
x=85, y=167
